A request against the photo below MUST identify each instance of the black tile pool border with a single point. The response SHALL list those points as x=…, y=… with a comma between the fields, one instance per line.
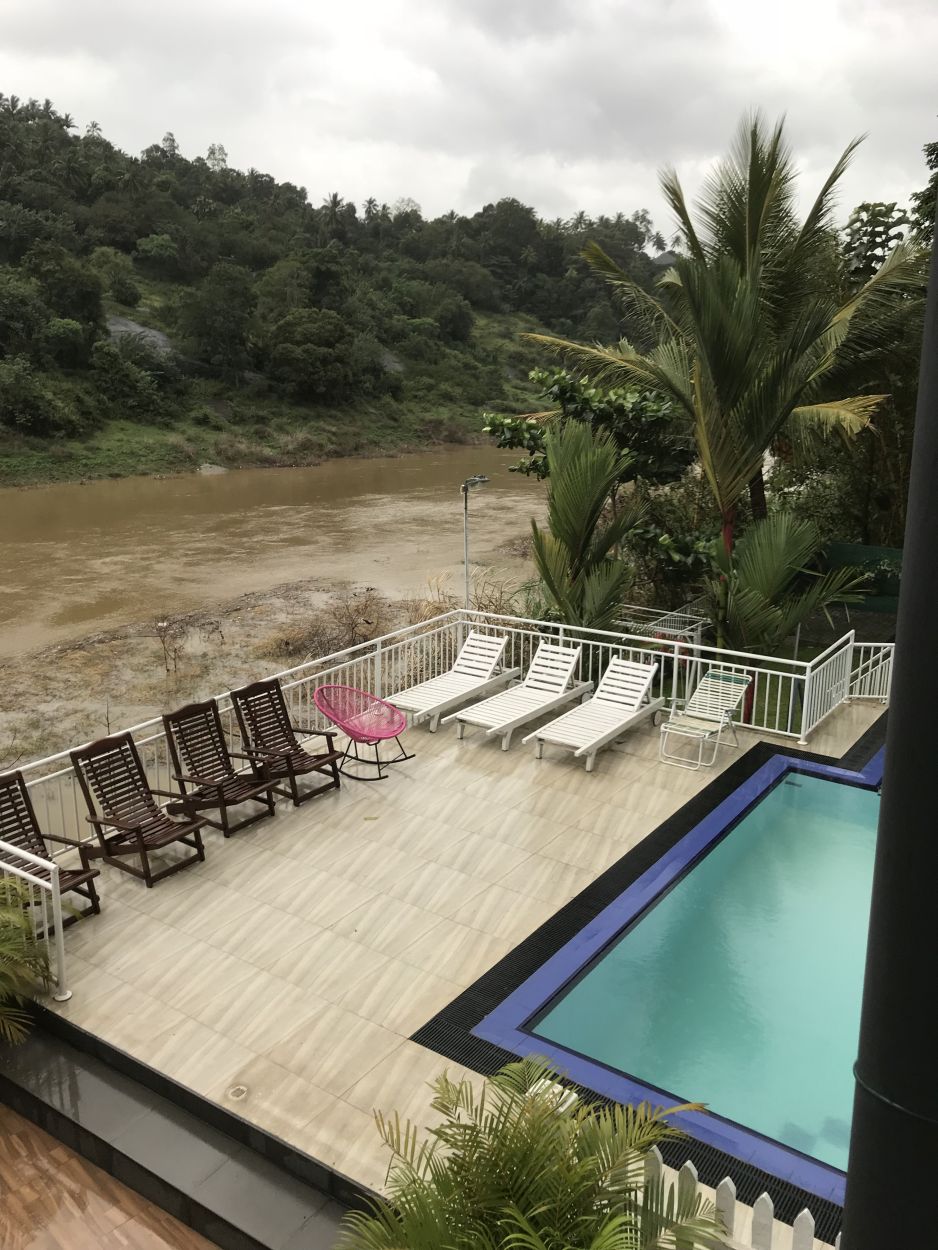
x=449, y=1032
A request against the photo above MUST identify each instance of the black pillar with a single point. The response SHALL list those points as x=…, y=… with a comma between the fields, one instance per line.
x=893, y=1165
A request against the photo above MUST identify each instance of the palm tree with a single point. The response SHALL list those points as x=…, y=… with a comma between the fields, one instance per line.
x=24, y=967
x=762, y=591
x=745, y=336
x=576, y=556
x=517, y=1166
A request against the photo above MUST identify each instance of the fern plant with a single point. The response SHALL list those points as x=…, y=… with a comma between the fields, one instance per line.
x=24, y=964
x=524, y=1166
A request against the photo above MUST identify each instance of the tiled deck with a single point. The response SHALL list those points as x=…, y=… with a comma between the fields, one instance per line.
x=283, y=977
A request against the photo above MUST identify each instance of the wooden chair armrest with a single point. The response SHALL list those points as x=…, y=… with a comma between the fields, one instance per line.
x=112, y=823
x=167, y=794
x=193, y=781
x=309, y=732
x=57, y=837
x=254, y=754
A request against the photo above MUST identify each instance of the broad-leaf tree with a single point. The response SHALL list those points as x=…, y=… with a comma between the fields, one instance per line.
x=522, y=1165
x=743, y=336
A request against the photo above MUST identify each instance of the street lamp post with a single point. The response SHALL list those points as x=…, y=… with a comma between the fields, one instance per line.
x=478, y=479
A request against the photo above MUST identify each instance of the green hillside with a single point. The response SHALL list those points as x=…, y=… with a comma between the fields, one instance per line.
x=289, y=326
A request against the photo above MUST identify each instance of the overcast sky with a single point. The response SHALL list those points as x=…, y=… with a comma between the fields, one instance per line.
x=565, y=104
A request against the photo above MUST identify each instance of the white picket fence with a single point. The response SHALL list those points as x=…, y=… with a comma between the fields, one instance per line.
x=754, y=1228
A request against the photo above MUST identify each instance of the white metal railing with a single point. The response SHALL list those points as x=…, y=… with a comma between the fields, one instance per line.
x=871, y=673
x=42, y=876
x=788, y=698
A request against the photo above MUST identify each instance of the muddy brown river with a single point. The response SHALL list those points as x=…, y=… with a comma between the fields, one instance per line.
x=75, y=559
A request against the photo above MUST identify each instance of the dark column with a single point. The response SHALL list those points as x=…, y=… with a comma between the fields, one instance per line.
x=894, y=1144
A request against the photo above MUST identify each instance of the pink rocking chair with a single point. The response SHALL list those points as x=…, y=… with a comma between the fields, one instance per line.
x=367, y=720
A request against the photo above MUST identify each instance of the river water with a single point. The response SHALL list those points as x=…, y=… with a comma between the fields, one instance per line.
x=75, y=559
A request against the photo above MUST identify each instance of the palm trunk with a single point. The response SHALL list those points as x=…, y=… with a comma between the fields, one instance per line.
x=728, y=529
x=760, y=509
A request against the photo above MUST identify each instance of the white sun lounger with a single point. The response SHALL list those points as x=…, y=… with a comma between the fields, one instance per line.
x=706, y=714
x=546, y=686
x=620, y=703
x=473, y=674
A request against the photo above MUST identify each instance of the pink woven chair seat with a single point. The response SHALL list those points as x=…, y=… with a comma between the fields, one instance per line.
x=363, y=716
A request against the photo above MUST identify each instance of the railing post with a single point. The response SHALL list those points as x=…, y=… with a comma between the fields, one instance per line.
x=674, y=668
x=62, y=992
x=806, y=706
x=379, y=676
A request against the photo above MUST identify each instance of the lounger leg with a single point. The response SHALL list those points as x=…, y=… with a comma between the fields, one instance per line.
x=540, y=749
x=460, y=730
x=590, y=761
x=506, y=740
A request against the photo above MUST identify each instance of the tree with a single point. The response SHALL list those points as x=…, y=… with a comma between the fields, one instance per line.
x=22, y=314
x=745, y=339
x=527, y=1165
x=217, y=157
x=215, y=320
x=169, y=145
x=871, y=234
x=158, y=253
x=640, y=422
x=583, y=577
x=763, y=590
x=311, y=355
x=925, y=202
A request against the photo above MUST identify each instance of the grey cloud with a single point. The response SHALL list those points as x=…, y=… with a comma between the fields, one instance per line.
x=563, y=103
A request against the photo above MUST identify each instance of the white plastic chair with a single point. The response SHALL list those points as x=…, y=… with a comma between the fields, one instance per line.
x=620, y=703
x=473, y=674
x=546, y=686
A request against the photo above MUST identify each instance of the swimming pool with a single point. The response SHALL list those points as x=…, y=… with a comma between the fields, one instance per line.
x=729, y=973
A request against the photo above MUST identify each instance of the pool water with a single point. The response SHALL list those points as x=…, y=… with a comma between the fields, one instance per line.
x=741, y=986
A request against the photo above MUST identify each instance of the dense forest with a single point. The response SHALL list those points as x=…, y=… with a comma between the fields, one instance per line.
x=298, y=328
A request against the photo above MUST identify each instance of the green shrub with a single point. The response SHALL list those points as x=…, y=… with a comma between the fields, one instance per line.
x=26, y=405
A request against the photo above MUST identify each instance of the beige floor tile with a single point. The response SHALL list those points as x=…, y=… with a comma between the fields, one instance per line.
x=260, y=1016
x=202, y=912
x=549, y=880
x=328, y=965
x=374, y=865
x=387, y=926
x=456, y=951
x=336, y=1049
x=273, y=1098
x=559, y=808
x=337, y=1129
x=305, y=891
x=485, y=858
x=121, y=949
x=504, y=913
x=521, y=829
x=436, y=888
x=423, y=836
x=234, y=861
x=402, y=1083
x=269, y=934
x=195, y=1056
x=186, y=980
x=589, y=851
x=400, y=996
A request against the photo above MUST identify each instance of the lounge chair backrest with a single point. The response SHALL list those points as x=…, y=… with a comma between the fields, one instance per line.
x=551, y=668
x=717, y=693
x=263, y=717
x=479, y=654
x=18, y=824
x=625, y=684
x=197, y=741
x=111, y=774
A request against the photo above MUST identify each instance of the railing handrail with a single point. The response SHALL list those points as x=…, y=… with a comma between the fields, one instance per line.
x=156, y=721
x=849, y=637
x=618, y=638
